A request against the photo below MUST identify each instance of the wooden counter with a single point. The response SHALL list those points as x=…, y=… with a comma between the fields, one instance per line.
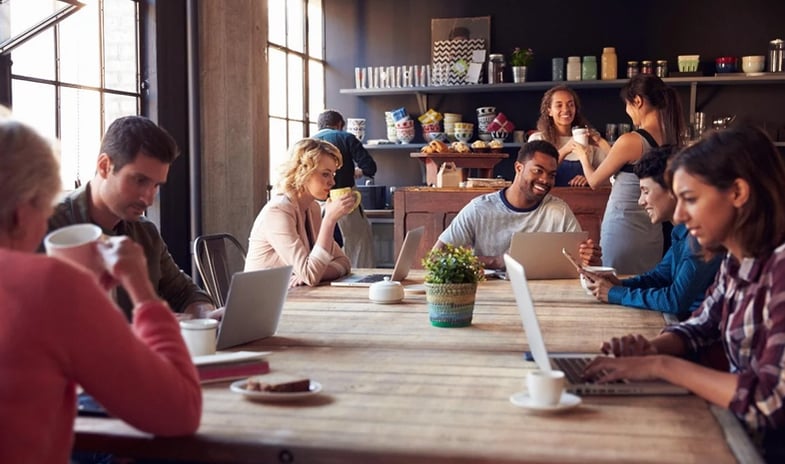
x=483, y=162
x=435, y=209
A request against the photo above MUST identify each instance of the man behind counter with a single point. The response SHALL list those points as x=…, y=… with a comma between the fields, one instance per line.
x=354, y=227
x=133, y=163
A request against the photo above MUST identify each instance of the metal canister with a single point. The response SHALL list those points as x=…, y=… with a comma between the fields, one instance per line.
x=646, y=67
x=632, y=69
x=661, y=68
x=776, y=48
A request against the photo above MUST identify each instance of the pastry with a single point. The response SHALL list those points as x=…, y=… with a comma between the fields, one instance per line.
x=479, y=145
x=278, y=382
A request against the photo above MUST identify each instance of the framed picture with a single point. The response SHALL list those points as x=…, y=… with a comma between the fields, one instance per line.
x=455, y=41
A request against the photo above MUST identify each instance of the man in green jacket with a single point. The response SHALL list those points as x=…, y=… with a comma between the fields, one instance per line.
x=133, y=163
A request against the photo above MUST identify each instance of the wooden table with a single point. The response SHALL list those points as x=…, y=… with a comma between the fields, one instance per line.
x=397, y=389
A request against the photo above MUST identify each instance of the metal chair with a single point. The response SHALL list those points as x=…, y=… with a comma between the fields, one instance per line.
x=217, y=258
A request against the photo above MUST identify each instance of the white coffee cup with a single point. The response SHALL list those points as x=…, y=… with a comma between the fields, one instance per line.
x=199, y=335
x=545, y=387
x=80, y=244
x=580, y=135
x=599, y=270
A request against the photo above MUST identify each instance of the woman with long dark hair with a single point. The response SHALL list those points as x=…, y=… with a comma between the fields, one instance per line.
x=729, y=196
x=629, y=241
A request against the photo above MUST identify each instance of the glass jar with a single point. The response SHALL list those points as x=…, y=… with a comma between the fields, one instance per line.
x=574, y=68
x=495, y=68
x=646, y=67
x=589, y=68
x=608, y=64
x=632, y=69
x=661, y=68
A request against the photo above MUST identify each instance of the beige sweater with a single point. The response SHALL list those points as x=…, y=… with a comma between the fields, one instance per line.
x=279, y=238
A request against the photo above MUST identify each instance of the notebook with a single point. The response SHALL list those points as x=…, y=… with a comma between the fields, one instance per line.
x=402, y=264
x=571, y=363
x=253, y=306
x=541, y=256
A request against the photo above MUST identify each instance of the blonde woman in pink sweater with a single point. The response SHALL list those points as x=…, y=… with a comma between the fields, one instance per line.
x=59, y=329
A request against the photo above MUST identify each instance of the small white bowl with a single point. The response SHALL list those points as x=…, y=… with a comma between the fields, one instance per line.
x=753, y=63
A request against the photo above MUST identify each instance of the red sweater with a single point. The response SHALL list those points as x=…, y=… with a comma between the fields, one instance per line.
x=59, y=329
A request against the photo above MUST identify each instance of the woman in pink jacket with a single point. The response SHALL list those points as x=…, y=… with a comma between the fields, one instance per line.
x=290, y=229
x=59, y=329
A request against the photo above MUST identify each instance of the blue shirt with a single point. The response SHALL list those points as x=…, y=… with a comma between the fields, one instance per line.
x=676, y=285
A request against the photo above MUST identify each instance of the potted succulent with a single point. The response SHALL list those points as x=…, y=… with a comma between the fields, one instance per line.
x=519, y=60
x=451, y=280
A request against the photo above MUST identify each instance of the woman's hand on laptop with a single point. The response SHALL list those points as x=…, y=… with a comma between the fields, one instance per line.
x=603, y=369
x=628, y=345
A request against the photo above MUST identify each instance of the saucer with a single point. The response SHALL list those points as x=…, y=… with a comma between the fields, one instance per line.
x=523, y=400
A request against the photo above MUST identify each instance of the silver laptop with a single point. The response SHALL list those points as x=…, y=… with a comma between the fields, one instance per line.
x=541, y=256
x=571, y=363
x=402, y=264
x=253, y=306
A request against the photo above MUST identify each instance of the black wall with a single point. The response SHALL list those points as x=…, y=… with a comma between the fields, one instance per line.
x=382, y=33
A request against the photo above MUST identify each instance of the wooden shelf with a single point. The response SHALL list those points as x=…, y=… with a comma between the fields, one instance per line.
x=422, y=93
x=416, y=146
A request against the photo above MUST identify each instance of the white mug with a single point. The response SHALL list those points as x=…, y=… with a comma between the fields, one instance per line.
x=545, y=387
x=581, y=135
x=79, y=244
x=199, y=335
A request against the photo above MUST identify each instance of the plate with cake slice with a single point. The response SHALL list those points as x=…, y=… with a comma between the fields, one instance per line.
x=276, y=386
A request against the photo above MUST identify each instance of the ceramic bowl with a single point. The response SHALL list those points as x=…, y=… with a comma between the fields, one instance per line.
x=725, y=64
x=386, y=292
x=688, y=63
x=753, y=63
x=463, y=136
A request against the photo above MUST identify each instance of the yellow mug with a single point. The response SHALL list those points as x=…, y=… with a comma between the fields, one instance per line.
x=336, y=194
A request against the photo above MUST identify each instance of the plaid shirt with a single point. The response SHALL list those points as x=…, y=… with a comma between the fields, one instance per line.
x=746, y=310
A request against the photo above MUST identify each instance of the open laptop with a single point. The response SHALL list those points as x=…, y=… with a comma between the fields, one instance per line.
x=402, y=264
x=541, y=256
x=571, y=363
x=253, y=306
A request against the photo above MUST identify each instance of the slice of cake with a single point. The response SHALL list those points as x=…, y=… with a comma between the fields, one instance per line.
x=278, y=382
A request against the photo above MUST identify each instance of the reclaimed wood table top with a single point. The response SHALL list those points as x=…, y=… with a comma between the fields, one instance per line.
x=396, y=389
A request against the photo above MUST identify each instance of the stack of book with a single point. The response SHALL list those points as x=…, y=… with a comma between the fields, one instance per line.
x=220, y=367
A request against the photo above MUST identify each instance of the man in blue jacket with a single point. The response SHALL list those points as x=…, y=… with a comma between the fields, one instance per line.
x=678, y=284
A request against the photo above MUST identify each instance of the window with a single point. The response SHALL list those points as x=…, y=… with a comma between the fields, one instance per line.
x=72, y=80
x=295, y=56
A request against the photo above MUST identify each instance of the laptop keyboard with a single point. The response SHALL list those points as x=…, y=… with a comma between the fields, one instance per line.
x=572, y=368
x=373, y=278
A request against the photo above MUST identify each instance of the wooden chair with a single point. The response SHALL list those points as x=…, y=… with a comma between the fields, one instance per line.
x=218, y=257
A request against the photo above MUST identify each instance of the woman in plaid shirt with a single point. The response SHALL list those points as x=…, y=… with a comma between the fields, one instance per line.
x=729, y=197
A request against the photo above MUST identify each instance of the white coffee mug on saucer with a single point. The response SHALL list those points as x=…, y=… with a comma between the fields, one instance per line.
x=545, y=387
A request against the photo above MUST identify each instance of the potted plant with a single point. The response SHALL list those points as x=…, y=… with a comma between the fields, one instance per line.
x=519, y=60
x=451, y=280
